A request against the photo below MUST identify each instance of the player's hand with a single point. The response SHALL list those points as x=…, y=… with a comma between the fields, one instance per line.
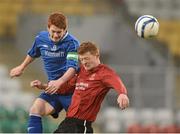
x=123, y=101
x=53, y=86
x=15, y=72
x=36, y=83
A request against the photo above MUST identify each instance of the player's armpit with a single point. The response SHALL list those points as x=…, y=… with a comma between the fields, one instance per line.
x=68, y=87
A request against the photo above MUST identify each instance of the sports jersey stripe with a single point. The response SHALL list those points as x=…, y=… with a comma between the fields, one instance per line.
x=65, y=36
x=136, y=27
x=72, y=55
x=144, y=25
x=85, y=128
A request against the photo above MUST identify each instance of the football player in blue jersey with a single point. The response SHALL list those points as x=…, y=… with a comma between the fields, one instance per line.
x=58, y=50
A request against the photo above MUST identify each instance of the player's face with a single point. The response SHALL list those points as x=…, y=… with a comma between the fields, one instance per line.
x=56, y=34
x=89, y=61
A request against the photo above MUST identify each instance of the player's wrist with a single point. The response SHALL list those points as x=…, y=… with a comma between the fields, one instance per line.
x=22, y=66
x=61, y=80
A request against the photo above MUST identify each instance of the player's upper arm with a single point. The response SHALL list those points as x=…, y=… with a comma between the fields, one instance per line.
x=72, y=56
x=34, y=51
x=112, y=80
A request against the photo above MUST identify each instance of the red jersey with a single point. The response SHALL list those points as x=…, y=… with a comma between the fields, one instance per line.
x=90, y=90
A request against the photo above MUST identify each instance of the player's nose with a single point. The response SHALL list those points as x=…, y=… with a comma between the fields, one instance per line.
x=56, y=34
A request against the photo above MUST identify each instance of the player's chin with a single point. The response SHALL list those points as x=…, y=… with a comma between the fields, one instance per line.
x=56, y=39
x=88, y=68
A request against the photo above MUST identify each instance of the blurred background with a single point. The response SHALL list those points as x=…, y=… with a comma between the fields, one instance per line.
x=148, y=67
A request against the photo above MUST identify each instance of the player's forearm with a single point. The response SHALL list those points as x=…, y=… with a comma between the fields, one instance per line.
x=67, y=75
x=26, y=61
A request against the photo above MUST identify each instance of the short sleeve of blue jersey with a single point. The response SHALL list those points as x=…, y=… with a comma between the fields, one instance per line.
x=72, y=56
x=34, y=52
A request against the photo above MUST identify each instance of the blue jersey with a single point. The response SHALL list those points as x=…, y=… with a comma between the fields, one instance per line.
x=57, y=57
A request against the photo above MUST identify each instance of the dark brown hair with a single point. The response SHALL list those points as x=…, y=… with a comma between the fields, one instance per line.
x=58, y=19
x=88, y=47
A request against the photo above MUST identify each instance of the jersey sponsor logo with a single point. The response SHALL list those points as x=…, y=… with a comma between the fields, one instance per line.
x=54, y=54
x=81, y=86
x=54, y=48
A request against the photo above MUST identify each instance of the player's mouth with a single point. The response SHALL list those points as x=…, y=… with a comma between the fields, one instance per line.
x=87, y=66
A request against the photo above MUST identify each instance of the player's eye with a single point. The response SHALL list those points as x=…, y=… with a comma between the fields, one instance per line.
x=81, y=60
x=87, y=58
x=58, y=32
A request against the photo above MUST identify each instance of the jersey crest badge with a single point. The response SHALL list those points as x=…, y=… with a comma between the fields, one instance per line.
x=54, y=48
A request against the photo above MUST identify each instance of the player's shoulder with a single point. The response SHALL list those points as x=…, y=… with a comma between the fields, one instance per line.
x=104, y=69
x=72, y=39
x=42, y=35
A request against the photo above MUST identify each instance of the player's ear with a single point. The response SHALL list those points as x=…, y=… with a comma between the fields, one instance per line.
x=98, y=56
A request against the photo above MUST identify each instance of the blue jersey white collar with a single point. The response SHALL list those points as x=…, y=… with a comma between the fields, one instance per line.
x=64, y=36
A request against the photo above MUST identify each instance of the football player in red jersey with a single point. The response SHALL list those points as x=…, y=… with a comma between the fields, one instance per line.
x=90, y=86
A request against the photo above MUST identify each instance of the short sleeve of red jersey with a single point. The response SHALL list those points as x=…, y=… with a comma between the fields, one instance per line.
x=112, y=80
x=68, y=87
